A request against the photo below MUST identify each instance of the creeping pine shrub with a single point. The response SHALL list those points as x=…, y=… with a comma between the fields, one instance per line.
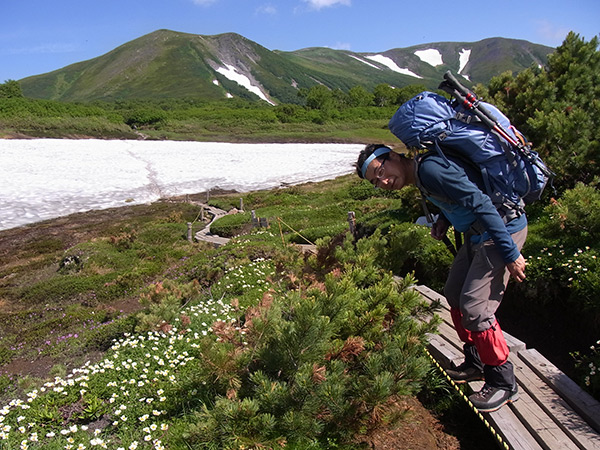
x=411, y=249
x=314, y=363
x=577, y=213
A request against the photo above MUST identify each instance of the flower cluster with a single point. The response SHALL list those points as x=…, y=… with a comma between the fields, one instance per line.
x=120, y=402
x=572, y=268
x=589, y=366
x=244, y=278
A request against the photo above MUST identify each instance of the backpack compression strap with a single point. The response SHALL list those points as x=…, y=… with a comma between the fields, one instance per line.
x=506, y=209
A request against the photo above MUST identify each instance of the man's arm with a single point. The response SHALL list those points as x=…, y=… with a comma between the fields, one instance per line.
x=451, y=181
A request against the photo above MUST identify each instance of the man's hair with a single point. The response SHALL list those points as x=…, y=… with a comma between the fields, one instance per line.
x=364, y=154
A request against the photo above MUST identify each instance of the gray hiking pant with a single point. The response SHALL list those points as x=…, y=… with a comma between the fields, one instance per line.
x=477, y=281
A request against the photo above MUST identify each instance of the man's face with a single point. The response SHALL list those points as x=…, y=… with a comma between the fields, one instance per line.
x=386, y=172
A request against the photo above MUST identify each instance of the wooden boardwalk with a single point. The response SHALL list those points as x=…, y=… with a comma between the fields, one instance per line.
x=204, y=234
x=552, y=412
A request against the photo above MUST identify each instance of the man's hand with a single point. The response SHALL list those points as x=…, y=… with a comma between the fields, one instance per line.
x=517, y=268
x=439, y=228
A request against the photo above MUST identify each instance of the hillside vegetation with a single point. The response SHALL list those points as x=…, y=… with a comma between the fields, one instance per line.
x=325, y=116
x=155, y=342
x=170, y=64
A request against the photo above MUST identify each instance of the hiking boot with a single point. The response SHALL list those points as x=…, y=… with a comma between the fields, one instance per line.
x=465, y=373
x=490, y=398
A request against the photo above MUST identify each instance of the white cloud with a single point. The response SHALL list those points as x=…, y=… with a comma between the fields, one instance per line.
x=266, y=9
x=550, y=31
x=203, y=2
x=42, y=49
x=342, y=46
x=319, y=4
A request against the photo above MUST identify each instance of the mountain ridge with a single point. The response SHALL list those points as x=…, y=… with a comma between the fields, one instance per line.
x=171, y=64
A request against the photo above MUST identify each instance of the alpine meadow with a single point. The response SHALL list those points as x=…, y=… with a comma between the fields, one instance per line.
x=117, y=331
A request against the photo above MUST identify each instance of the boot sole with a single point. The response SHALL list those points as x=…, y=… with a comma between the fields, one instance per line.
x=467, y=380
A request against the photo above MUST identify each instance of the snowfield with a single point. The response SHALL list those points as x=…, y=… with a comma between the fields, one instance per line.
x=390, y=64
x=431, y=56
x=46, y=178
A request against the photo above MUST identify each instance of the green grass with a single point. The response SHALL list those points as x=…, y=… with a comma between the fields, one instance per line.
x=149, y=378
x=233, y=121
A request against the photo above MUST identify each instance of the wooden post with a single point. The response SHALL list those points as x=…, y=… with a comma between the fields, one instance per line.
x=241, y=204
x=352, y=222
x=207, y=195
x=254, y=219
x=189, y=232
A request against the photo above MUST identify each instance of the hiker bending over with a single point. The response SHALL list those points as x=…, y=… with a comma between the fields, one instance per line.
x=481, y=269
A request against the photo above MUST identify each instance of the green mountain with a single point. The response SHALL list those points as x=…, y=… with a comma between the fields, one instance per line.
x=169, y=64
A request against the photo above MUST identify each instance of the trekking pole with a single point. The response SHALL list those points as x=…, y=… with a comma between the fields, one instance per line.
x=470, y=101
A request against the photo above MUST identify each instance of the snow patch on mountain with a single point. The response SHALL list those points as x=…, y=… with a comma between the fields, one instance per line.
x=464, y=56
x=231, y=73
x=390, y=64
x=365, y=62
x=431, y=56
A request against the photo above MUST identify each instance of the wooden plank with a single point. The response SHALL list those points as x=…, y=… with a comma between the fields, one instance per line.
x=444, y=352
x=506, y=423
x=552, y=412
x=450, y=335
x=583, y=403
x=512, y=431
x=514, y=344
x=433, y=296
x=555, y=407
x=541, y=426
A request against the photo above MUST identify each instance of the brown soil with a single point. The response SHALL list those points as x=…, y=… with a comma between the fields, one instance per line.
x=419, y=431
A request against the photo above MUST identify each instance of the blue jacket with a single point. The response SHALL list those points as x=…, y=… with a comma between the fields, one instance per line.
x=457, y=189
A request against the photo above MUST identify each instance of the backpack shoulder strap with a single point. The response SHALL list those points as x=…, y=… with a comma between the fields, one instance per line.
x=424, y=192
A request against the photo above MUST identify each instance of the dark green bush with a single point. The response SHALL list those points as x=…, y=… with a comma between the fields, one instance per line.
x=563, y=257
x=576, y=214
x=145, y=118
x=412, y=249
x=315, y=364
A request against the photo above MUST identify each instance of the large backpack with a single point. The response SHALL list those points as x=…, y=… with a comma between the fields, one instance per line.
x=430, y=121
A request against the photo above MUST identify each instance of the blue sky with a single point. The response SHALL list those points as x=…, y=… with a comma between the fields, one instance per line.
x=38, y=36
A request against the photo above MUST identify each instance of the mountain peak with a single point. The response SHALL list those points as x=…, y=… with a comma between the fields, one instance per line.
x=167, y=63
